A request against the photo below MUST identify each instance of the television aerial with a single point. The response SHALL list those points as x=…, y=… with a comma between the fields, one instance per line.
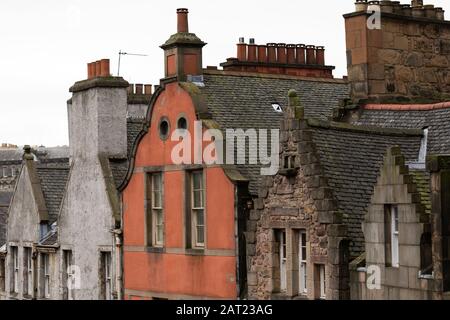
x=121, y=53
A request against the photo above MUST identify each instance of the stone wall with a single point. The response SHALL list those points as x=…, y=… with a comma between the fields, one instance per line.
x=398, y=186
x=297, y=198
x=407, y=59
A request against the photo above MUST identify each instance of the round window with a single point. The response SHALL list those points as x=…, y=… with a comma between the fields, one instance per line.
x=182, y=123
x=164, y=128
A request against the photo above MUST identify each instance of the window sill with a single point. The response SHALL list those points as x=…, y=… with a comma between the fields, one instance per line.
x=195, y=252
x=155, y=250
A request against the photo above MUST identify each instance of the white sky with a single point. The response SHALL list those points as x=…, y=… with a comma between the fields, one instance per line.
x=46, y=44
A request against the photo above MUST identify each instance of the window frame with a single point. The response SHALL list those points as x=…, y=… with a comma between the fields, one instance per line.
x=322, y=282
x=395, y=247
x=46, y=275
x=302, y=262
x=14, y=269
x=196, y=210
x=2, y=274
x=68, y=274
x=28, y=271
x=106, y=276
x=152, y=210
x=282, y=256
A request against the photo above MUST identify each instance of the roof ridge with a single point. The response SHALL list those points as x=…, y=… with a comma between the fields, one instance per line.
x=408, y=107
x=342, y=126
x=272, y=76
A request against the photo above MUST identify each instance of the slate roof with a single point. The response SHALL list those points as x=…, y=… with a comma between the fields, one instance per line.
x=244, y=101
x=437, y=120
x=50, y=239
x=53, y=180
x=351, y=161
x=119, y=167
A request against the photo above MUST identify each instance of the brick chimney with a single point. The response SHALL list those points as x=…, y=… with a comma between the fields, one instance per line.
x=97, y=114
x=280, y=58
x=403, y=56
x=183, y=51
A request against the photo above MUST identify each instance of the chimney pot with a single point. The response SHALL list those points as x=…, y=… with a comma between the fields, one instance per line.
x=242, y=50
x=182, y=23
x=361, y=5
x=98, y=68
x=310, y=54
x=139, y=88
x=104, y=68
x=430, y=12
x=418, y=12
x=262, y=53
x=252, y=51
x=440, y=14
x=252, y=41
x=301, y=54
x=416, y=3
x=130, y=89
x=406, y=9
x=148, y=89
x=291, y=53
x=91, y=70
x=241, y=40
x=281, y=53
x=320, y=55
x=271, y=52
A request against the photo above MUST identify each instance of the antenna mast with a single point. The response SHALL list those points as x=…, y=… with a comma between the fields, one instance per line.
x=128, y=54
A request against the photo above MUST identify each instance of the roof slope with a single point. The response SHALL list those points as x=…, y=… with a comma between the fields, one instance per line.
x=244, y=101
x=352, y=160
x=53, y=183
x=438, y=122
x=119, y=167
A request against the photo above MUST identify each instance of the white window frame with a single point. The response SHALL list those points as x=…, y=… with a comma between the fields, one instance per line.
x=197, y=210
x=46, y=274
x=107, y=274
x=395, y=237
x=302, y=262
x=15, y=269
x=283, y=259
x=2, y=275
x=323, y=281
x=70, y=276
x=28, y=265
x=157, y=209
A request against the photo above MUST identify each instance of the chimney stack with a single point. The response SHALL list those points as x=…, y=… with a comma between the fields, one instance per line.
x=375, y=55
x=183, y=24
x=182, y=51
x=279, y=58
x=97, y=114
